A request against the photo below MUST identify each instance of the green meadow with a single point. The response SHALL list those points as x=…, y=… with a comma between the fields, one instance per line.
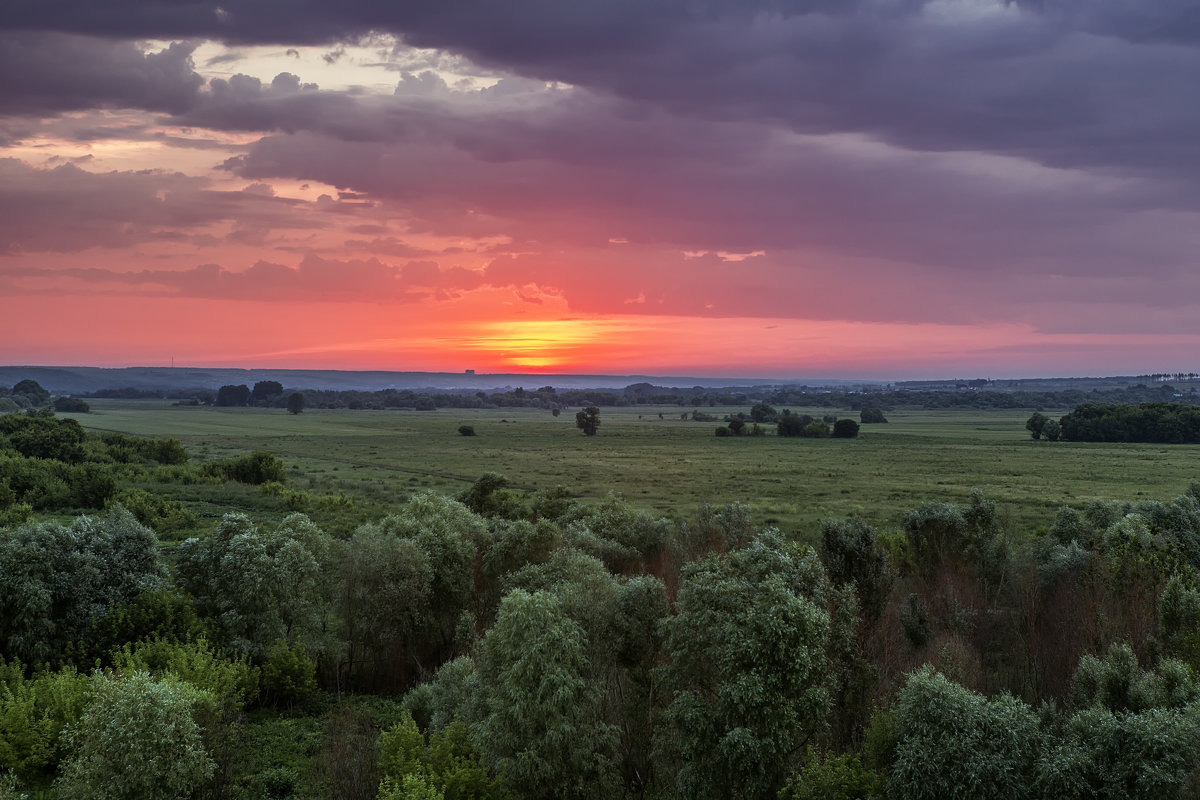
x=664, y=464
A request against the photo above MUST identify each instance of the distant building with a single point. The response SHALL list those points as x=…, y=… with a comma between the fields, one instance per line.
x=470, y=372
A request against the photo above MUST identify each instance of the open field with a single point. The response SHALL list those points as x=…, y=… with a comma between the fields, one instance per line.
x=673, y=467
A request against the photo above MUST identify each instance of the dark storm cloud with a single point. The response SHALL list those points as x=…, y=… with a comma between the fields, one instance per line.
x=583, y=180
x=66, y=209
x=314, y=279
x=959, y=157
x=1064, y=82
x=52, y=72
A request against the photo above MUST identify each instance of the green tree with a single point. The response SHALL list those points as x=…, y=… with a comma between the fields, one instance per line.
x=137, y=739
x=870, y=416
x=1111, y=755
x=31, y=391
x=261, y=585
x=1036, y=424
x=761, y=412
x=749, y=670
x=57, y=581
x=233, y=395
x=954, y=743
x=540, y=723
x=382, y=600
x=588, y=420
x=71, y=405
x=845, y=429
x=295, y=403
x=421, y=565
x=265, y=393
x=792, y=424
x=853, y=555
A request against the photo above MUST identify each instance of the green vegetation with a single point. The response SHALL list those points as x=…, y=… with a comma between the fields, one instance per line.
x=571, y=617
x=588, y=420
x=673, y=467
x=1167, y=423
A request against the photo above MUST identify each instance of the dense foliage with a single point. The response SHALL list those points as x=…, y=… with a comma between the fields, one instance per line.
x=510, y=643
x=1165, y=423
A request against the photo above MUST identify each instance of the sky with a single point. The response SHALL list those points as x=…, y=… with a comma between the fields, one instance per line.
x=876, y=189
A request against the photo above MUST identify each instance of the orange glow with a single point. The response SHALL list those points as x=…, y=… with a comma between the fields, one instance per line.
x=541, y=344
x=467, y=333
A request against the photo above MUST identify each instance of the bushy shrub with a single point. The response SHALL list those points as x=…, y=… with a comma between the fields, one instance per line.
x=447, y=765
x=254, y=468
x=289, y=676
x=816, y=430
x=845, y=429
x=34, y=711
x=138, y=738
x=196, y=663
x=837, y=777
x=71, y=405
x=155, y=511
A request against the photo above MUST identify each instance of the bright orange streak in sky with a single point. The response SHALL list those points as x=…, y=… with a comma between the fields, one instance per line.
x=471, y=334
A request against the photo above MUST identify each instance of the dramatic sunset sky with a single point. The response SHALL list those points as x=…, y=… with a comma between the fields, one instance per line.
x=777, y=188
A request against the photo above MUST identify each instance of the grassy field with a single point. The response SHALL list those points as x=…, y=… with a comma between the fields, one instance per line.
x=669, y=466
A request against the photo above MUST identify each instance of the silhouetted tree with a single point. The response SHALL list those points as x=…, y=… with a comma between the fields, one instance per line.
x=265, y=393
x=588, y=420
x=845, y=429
x=871, y=415
x=1036, y=424
x=233, y=395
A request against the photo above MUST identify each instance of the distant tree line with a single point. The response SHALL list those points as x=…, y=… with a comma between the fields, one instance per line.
x=1162, y=423
x=271, y=394
x=29, y=396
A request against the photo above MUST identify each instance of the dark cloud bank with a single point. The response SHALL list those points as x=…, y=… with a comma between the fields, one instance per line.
x=1018, y=141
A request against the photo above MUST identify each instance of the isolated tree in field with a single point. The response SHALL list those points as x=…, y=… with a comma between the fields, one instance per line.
x=588, y=420
x=871, y=415
x=845, y=429
x=761, y=412
x=295, y=403
x=1036, y=424
x=265, y=392
x=792, y=424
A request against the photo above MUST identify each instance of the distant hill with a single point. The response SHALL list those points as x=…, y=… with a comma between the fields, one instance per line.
x=80, y=380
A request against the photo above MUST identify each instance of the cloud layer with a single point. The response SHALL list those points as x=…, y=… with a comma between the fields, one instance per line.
x=957, y=162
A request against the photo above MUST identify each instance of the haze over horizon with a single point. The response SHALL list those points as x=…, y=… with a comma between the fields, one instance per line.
x=861, y=189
